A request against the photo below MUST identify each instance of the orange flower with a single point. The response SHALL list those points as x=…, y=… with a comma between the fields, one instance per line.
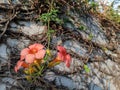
x=54, y=62
x=20, y=64
x=38, y=61
x=62, y=55
x=30, y=70
x=34, y=51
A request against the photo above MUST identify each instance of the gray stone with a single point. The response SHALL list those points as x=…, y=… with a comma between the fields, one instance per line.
x=74, y=66
x=69, y=25
x=38, y=88
x=11, y=81
x=105, y=74
x=12, y=42
x=93, y=86
x=66, y=82
x=61, y=67
x=108, y=52
x=13, y=25
x=25, y=23
x=4, y=54
x=18, y=43
x=33, y=29
x=94, y=31
x=16, y=2
x=79, y=81
x=50, y=76
x=28, y=28
x=56, y=41
x=5, y=1
x=3, y=86
x=76, y=48
x=1, y=17
x=7, y=83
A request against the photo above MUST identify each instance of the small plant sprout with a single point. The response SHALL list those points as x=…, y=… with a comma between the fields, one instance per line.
x=86, y=68
x=50, y=15
x=82, y=28
x=90, y=36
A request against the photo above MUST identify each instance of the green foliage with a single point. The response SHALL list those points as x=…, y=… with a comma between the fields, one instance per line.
x=82, y=28
x=46, y=58
x=113, y=15
x=50, y=16
x=110, y=13
x=104, y=49
x=90, y=36
x=86, y=68
x=51, y=31
x=93, y=4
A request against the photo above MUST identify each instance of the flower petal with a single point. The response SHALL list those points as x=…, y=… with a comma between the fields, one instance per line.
x=36, y=46
x=39, y=46
x=23, y=53
x=30, y=58
x=32, y=46
x=16, y=69
x=60, y=56
x=40, y=54
x=18, y=66
x=54, y=62
x=25, y=65
x=67, y=60
x=62, y=50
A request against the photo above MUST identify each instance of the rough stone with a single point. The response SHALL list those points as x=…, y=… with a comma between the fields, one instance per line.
x=79, y=81
x=75, y=66
x=16, y=2
x=93, y=86
x=5, y=1
x=105, y=74
x=18, y=43
x=56, y=41
x=7, y=83
x=93, y=31
x=11, y=81
x=1, y=16
x=50, y=76
x=75, y=47
x=4, y=54
x=66, y=82
x=32, y=29
x=3, y=86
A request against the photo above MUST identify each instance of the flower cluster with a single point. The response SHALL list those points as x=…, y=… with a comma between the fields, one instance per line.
x=29, y=55
x=32, y=59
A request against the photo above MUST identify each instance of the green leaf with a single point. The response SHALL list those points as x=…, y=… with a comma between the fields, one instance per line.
x=90, y=36
x=82, y=28
x=51, y=31
x=86, y=68
x=46, y=57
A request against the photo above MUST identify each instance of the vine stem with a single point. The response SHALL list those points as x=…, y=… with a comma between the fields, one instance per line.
x=48, y=34
x=48, y=24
